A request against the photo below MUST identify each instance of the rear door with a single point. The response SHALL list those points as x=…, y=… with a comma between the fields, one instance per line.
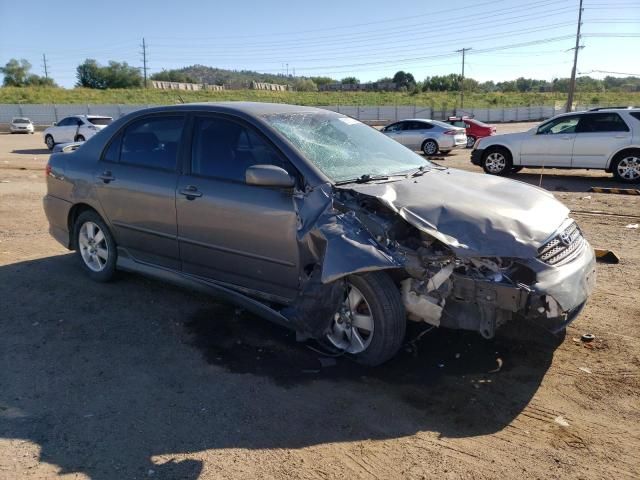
x=415, y=133
x=136, y=183
x=552, y=144
x=229, y=231
x=598, y=135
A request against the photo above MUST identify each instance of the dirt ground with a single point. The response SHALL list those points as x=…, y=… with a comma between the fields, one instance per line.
x=136, y=379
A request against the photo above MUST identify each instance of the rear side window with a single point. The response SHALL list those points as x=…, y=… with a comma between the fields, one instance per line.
x=418, y=126
x=152, y=142
x=101, y=121
x=225, y=149
x=601, y=122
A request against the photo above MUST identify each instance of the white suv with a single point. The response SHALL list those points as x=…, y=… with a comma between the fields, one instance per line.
x=77, y=128
x=604, y=138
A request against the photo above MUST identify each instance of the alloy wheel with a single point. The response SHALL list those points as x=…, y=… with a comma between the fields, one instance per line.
x=495, y=162
x=352, y=327
x=629, y=168
x=93, y=246
x=430, y=148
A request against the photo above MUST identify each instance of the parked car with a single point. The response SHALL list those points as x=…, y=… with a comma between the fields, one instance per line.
x=77, y=128
x=317, y=222
x=474, y=129
x=21, y=125
x=430, y=136
x=602, y=139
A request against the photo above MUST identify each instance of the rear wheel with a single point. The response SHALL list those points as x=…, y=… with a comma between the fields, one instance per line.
x=430, y=147
x=497, y=161
x=626, y=166
x=470, y=141
x=79, y=138
x=95, y=246
x=48, y=140
x=371, y=322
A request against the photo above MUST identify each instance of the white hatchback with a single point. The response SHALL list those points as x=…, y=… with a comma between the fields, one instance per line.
x=77, y=128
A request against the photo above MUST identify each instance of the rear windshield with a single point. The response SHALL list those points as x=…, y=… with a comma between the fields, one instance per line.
x=21, y=120
x=440, y=124
x=636, y=115
x=101, y=120
x=481, y=124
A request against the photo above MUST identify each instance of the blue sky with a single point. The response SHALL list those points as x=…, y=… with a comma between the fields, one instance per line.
x=368, y=39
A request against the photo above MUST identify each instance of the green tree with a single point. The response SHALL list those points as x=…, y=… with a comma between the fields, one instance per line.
x=305, y=85
x=16, y=74
x=115, y=75
x=349, y=81
x=322, y=80
x=173, y=76
x=404, y=79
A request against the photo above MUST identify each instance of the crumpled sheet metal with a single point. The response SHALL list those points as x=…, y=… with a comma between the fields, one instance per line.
x=476, y=217
x=335, y=240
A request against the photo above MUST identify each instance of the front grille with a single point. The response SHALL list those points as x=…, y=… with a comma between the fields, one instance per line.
x=564, y=245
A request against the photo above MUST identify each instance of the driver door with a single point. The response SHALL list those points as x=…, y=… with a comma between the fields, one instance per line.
x=552, y=144
x=229, y=231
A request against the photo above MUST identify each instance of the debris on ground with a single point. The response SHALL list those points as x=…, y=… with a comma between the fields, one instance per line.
x=585, y=369
x=606, y=256
x=588, y=337
x=632, y=225
x=561, y=421
x=499, y=367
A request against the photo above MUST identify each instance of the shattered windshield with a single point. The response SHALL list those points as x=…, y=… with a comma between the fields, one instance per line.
x=344, y=148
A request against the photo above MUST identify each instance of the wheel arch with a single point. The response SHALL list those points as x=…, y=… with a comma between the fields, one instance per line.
x=618, y=152
x=74, y=212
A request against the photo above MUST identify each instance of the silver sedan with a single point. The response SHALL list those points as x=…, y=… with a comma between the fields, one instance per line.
x=430, y=136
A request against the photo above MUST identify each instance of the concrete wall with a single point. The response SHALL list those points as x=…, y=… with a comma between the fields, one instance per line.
x=47, y=114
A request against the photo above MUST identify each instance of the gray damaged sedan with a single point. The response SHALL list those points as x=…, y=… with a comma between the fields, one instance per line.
x=317, y=222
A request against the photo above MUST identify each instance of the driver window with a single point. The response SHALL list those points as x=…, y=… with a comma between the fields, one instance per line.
x=561, y=125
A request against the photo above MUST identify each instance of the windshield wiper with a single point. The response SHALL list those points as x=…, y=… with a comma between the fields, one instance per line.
x=368, y=178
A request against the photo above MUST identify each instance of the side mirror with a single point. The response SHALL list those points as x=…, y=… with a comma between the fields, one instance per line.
x=268, y=176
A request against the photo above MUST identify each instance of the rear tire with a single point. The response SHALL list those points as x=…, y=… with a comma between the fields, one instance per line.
x=79, y=138
x=48, y=140
x=95, y=246
x=497, y=161
x=445, y=152
x=430, y=147
x=626, y=166
x=381, y=305
x=470, y=141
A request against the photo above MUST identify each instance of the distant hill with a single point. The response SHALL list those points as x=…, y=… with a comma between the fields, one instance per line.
x=219, y=76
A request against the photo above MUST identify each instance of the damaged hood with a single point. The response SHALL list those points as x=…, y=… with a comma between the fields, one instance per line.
x=474, y=214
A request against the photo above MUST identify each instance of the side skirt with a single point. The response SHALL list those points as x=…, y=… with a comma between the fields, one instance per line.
x=195, y=283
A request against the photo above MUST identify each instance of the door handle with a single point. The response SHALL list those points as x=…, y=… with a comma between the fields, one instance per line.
x=191, y=192
x=566, y=138
x=621, y=136
x=106, y=176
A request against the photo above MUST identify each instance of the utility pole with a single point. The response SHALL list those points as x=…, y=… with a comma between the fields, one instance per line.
x=144, y=61
x=44, y=65
x=572, y=83
x=463, y=50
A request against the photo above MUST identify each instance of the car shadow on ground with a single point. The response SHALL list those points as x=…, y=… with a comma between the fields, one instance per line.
x=564, y=182
x=32, y=151
x=105, y=377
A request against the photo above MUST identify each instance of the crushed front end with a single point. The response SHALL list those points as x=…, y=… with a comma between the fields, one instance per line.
x=442, y=287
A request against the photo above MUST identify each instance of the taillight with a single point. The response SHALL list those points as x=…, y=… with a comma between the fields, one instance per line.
x=47, y=170
x=450, y=132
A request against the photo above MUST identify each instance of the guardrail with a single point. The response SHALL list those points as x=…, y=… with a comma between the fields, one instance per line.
x=42, y=114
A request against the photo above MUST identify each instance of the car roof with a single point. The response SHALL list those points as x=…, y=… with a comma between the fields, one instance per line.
x=248, y=108
x=20, y=118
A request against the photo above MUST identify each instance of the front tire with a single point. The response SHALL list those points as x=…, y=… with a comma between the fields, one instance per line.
x=48, y=140
x=430, y=147
x=497, y=161
x=626, y=166
x=95, y=246
x=371, y=324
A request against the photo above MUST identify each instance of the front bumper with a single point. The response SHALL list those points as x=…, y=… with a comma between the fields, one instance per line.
x=561, y=292
x=476, y=156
